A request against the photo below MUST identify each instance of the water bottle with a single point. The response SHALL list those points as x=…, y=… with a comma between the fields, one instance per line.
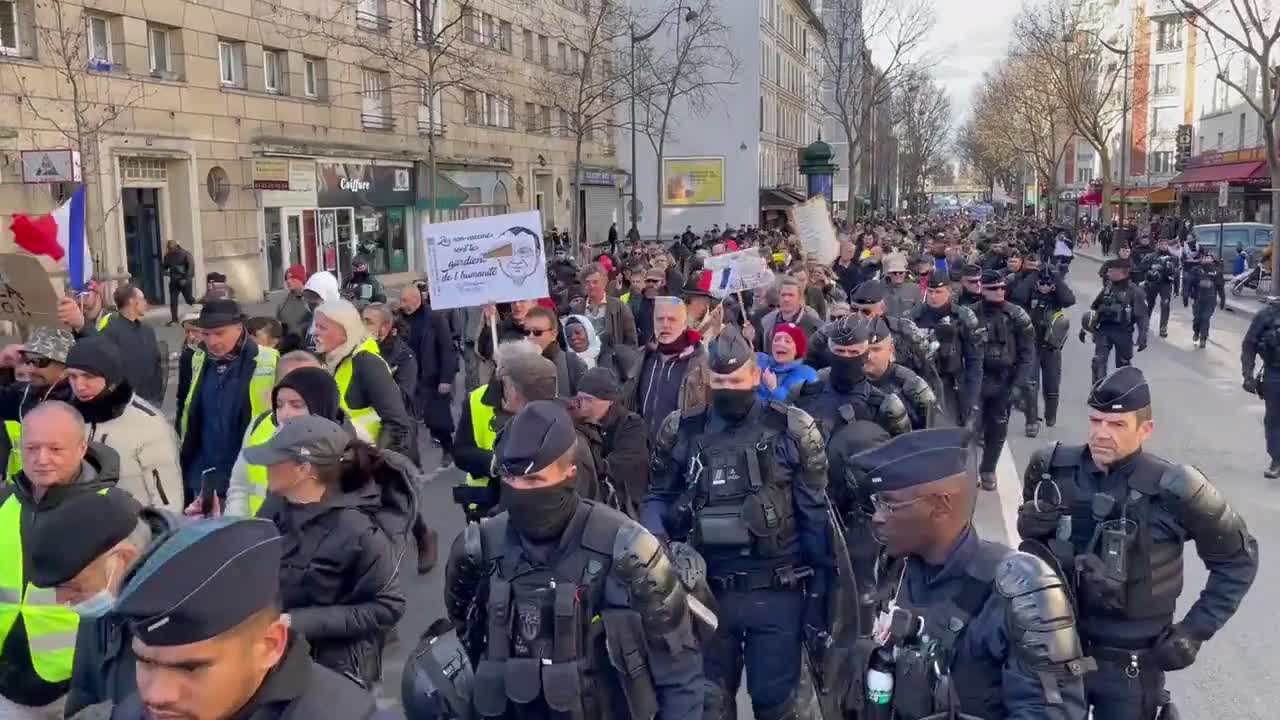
x=879, y=687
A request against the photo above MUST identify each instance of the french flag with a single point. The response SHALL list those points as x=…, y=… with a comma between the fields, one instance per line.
x=58, y=234
x=715, y=281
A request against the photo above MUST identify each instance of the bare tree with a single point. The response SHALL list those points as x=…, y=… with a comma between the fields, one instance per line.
x=688, y=74
x=923, y=115
x=1248, y=30
x=993, y=162
x=93, y=99
x=853, y=82
x=1088, y=73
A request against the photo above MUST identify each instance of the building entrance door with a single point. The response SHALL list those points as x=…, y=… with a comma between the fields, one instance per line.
x=143, y=245
x=300, y=241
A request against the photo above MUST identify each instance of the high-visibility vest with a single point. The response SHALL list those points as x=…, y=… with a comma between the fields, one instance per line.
x=366, y=421
x=481, y=429
x=102, y=321
x=264, y=427
x=264, y=377
x=625, y=297
x=51, y=628
x=13, y=428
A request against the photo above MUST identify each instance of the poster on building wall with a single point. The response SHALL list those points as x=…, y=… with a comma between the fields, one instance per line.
x=817, y=234
x=736, y=271
x=693, y=181
x=26, y=293
x=492, y=259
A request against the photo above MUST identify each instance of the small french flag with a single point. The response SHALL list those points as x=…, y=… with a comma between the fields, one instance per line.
x=713, y=280
x=58, y=234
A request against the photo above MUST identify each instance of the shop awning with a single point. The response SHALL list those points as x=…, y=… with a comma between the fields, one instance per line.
x=1230, y=172
x=780, y=198
x=448, y=194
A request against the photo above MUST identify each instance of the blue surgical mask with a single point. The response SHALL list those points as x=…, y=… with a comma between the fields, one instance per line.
x=101, y=602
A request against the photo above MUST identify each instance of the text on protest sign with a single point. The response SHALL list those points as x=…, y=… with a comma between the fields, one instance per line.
x=817, y=233
x=736, y=271
x=494, y=259
x=26, y=295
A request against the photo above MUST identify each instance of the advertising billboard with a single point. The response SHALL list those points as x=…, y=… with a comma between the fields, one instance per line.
x=693, y=181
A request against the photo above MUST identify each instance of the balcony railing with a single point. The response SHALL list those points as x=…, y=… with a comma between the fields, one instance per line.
x=372, y=22
x=377, y=121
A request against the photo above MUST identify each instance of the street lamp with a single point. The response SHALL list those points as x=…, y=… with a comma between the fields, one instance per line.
x=690, y=16
x=1124, y=108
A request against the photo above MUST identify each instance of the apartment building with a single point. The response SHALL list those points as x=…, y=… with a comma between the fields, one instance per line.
x=265, y=133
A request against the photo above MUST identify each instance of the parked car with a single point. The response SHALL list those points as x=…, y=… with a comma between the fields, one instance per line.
x=1223, y=239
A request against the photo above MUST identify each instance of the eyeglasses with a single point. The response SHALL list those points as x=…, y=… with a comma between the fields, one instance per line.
x=532, y=332
x=889, y=508
x=37, y=361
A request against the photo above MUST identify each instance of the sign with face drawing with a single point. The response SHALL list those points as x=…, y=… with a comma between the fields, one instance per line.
x=486, y=260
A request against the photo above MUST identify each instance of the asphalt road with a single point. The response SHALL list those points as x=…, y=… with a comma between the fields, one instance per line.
x=1202, y=417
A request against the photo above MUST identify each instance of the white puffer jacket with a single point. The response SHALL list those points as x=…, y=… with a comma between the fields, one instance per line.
x=145, y=441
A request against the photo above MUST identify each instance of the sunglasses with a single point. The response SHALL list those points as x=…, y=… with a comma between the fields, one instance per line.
x=531, y=332
x=37, y=361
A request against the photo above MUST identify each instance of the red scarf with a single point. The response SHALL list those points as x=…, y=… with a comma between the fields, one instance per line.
x=686, y=340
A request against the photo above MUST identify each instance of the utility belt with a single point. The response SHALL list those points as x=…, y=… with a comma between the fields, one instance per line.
x=783, y=577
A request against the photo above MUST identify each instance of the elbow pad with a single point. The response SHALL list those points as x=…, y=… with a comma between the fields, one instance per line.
x=893, y=415
x=463, y=572
x=652, y=582
x=813, y=452
x=1040, y=621
x=663, y=442
x=1218, y=530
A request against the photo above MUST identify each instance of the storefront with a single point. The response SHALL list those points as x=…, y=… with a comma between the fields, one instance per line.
x=599, y=205
x=1247, y=176
x=365, y=210
x=287, y=195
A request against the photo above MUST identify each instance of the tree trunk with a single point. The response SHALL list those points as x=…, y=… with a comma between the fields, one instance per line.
x=575, y=188
x=851, y=205
x=1104, y=159
x=657, y=184
x=1275, y=229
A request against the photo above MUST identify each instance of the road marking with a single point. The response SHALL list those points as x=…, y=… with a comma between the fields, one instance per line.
x=1009, y=493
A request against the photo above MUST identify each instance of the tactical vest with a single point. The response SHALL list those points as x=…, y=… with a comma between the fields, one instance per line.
x=1160, y=271
x=832, y=409
x=1116, y=307
x=1151, y=582
x=547, y=627
x=906, y=346
x=1208, y=282
x=919, y=690
x=743, y=500
x=1269, y=340
x=945, y=331
x=1002, y=343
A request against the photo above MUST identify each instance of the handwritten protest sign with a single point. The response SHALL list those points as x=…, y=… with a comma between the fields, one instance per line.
x=486, y=260
x=26, y=294
x=817, y=233
x=737, y=271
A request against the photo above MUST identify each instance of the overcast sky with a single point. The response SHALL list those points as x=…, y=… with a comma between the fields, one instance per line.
x=968, y=39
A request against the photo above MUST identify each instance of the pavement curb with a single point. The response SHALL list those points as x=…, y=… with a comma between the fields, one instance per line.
x=1233, y=305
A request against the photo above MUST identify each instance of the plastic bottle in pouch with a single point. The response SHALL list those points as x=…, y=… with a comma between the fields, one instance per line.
x=879, y=687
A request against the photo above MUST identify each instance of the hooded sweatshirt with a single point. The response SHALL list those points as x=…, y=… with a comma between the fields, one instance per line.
x=324, y=284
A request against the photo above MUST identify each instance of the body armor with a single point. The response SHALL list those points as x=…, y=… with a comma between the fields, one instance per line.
x=1051, y=323
x=1269, y=341
x=1116, y=306
x=947, y=329
x=915, y=393
x=1002, y=326
x=1161, y=267
x=912, y=348
x=832, y=409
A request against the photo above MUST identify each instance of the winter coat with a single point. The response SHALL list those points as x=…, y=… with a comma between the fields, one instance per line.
x=790, y=374
x=569, y=369
x=808, y=321
x=294, y=314
x=619, y=322
x=508, y=329
x=363, y=289
x=900, y=300
x=430, y=340
x=622, y=457
x=338, y=573
x=147, y=368
x=325, y=285
x=667, y=383
x=145, y=442
x=404, y=369
x=178, y=266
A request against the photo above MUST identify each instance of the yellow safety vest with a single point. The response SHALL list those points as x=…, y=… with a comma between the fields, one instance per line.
x=263, y=430
x=13, y=428
x=264, y=377
x=102, y=321
x=367, y=422
x=481, y=429
x=625, y=297
x=51, y=628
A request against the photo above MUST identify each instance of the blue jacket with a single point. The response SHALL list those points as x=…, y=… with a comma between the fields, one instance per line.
x=790, y=375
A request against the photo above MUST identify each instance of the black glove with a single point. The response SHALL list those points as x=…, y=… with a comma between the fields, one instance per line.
x=1250, y=384
x=1039, y=524
x=1175, y=649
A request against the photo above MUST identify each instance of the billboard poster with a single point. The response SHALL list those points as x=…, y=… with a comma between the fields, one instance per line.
x=693, y=181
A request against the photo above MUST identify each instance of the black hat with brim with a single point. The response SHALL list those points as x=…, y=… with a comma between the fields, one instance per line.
x=219, y=313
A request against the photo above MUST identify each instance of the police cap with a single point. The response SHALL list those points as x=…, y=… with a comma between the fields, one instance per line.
x=915, y=458
x=63, y=540
x=1120, y=264
x=971, y=272
x=992, y=279
x=537, y=436
x=202, y=580
x=937, y=280
x=729, y=351
x=1123, y=391
x=848, y=330
x=868, y=293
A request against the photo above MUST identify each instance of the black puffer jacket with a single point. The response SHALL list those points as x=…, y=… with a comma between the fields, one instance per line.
x=338, y=576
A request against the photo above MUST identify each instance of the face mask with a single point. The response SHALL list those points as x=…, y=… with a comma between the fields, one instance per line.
x=541, y=513
x=847, y=371
x=733, y=405
x=101, y=602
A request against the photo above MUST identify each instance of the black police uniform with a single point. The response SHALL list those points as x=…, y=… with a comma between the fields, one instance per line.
x=745, y=480
x=584, y=618
x=1052, y=328
x=1206, y=284
x=970, y=272
x=1190, y=259
x=1120, y=532
x=958, y=357
x=1120, y=308
x=1007, y=363
x=1263, y=340
x=990, y=632
x=915, y=393
x=911, y=346
x=1159, y=272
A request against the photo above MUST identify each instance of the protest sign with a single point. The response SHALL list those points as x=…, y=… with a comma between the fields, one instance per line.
x=26, y=294
x=817, y=233
x=493, y=259
x=737, y=271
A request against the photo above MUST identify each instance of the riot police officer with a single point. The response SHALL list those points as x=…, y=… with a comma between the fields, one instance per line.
x=1045, y=306
x=890, y=376
x=1205, y=283
x=959, y=347
x=970, y=285
x=1159, y=271
x=913, y=347
x=531, y=589
x=1115, y=518
x=972, y=626
x=1263, y=339
x=1119, y=309
x=745, y=481
x=842, y=394
x=1008, y=355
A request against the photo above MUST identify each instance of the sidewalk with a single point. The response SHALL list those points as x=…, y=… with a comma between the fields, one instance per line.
x=1246, y=305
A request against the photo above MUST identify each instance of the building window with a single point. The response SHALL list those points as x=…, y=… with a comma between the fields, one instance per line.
x=271, y=72
x=504, y=36
x=8, y=27
x=231, y=63
x=1220, y=143
x=1167, y=78
x=1240, y=138
x=1164, y=121
x=371, y=15
x=471, y=25
x=99, y=41
x=546, y=120
x=1084, y=175
x=311, y=77
x=158, y=50
x=530, y=117
x=1169, y=34
x=373, y=98
x=141, y=168
x=544, y=45
x=428, y=19
x=528, y=45
x=430, y=113
x=1162, y=162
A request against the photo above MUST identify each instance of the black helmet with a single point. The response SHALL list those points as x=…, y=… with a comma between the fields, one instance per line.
x=436, y=683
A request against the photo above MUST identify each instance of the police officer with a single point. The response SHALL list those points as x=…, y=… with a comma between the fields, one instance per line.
x=1119, y=309
x=1008, y=357
x=1116, y=518
x=890, y=376
x=1159, y=271
x=972, y=626
x=955, y=330
x=1049, y=298
x=531, y=589
x=1263, y=339
x=842, y=394
x=912, y=345
x=203, y=608
x=1190, y=261
x=970, y=285
x=745, y=481
x=1205, y=283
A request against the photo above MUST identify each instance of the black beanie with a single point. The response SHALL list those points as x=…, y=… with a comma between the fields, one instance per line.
x=98, y=355
x=318, y=390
